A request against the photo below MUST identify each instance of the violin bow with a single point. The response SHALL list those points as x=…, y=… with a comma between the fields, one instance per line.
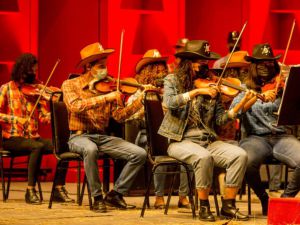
x=43, y=89
x=120, y=61
x=285, y=54
x=230, y=55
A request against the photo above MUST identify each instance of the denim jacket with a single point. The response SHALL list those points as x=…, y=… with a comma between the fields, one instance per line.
x=175, y=121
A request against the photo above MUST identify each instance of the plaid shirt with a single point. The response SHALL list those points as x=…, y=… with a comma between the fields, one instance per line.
x=14, y=104
x=89, y=111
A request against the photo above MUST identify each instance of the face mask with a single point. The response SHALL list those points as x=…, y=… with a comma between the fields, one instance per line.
x=265, y=73
x=29, y=78
x=99, y=74
x=202, y=72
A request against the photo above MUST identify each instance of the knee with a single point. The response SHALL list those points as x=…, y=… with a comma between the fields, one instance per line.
x=139, y=156
x=204, y=161
x=90, y=151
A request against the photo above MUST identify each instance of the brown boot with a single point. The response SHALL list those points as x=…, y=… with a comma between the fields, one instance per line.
x=159, y=202
x=183, y=202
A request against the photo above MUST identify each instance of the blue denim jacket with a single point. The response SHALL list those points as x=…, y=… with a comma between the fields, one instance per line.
x=175, y=121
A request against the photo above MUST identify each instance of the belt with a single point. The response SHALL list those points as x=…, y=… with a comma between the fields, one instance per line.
x=79, y=132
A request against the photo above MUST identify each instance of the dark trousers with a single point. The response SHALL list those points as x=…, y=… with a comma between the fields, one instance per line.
x=35, y=149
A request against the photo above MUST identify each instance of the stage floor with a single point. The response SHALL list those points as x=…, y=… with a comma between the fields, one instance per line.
x=16, y=211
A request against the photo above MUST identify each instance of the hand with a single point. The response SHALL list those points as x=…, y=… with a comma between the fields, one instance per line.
x=211, y=91
x=269, y=96
x=249, y=95
x=149, y=87
x=113, y=96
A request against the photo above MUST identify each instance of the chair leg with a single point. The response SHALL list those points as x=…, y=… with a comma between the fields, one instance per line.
x=9, y=177
x=286, y=177
x=249, y=199
x=2, y=179
x=170, y=194
x=82, y=190
x=190, y=183
x=215, y=199
x=54, y=184
x=78, y=181
x=40, y=189
x=146, y=199
x=106, y=175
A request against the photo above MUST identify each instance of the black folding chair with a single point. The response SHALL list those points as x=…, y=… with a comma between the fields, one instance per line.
x=157, y=150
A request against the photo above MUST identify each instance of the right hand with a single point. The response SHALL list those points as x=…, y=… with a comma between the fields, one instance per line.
x=211, y=91
x=113, y=96
x=269, y=96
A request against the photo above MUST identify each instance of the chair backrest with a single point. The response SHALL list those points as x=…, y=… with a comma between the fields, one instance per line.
x=157, y=144
x=59, y=123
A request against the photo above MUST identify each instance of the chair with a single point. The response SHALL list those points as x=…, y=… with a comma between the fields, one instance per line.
x=12, y=171
x=157, y=149
x=267, y=162
x=60, y=137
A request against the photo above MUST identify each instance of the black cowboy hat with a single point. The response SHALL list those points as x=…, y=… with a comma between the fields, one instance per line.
x=197, y=49
x=233, y=36
x=262, y=52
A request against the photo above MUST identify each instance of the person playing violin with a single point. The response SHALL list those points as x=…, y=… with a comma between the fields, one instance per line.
x=178, y=47
x=189, y=123
x=89, y=114
x=152, y=69
x=20, y=133
x=265, y=139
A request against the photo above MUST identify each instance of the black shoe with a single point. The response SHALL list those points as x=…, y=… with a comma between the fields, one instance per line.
x=99, y=205
x=264, y=200
x=205, y=214
x=115, y=199
x=230, y=211
x=31, y=197
x=61, y=195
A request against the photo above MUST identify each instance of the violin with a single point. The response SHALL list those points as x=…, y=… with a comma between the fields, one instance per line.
x=35, y=90
x=128, y=85
x=276, y=84
x=229, y=86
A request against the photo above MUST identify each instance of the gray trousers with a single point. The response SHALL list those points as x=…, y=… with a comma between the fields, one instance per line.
x=203, y=160
x=89, y=146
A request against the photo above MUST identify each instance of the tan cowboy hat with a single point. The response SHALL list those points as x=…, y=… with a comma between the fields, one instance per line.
x=237, y=60
x=181, y=43
x=152, y=55
x=93, y=52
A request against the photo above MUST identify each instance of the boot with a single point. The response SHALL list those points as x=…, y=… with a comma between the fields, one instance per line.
x=264, y=200
x=204, y=213
x=229, y=210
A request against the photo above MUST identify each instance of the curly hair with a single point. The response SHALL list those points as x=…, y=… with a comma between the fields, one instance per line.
x=23, y=65
x=152, y=73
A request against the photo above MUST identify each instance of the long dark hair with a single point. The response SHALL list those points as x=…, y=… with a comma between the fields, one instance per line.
x=22, y=66
x=251, y=80
x=184, y=73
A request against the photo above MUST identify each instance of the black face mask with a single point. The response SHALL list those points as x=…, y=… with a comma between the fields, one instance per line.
x=203, y=72
x=29, y=78
x=265, y=73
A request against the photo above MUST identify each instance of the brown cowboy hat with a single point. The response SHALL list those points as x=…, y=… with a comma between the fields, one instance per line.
x=237, y=60
x=262, y=52
x=197, y=49
x=151, y=56
x=181, y=42
x=93, y=52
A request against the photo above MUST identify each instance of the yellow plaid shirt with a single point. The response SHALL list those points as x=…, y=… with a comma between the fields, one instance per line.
x=14, y=104
x=89, y=111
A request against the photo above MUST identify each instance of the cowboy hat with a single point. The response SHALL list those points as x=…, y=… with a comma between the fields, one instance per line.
x=181, y=42
x=237, y=60
x=151, y=56
x=262, y=52
x=197, y=49
x=93, y=52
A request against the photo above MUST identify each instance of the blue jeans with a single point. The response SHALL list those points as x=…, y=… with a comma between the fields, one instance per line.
x=285, y=148
x=90, y=145
x=203, y=160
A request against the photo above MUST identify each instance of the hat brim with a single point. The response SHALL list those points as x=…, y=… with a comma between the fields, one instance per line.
x=253, y=59
x=235, y=64
x=147, y=60
x=92, y=58
x=193, y=55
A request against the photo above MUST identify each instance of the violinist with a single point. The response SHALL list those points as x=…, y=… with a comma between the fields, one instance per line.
x=189, y=123
x=265, y=139
x=152, y=69
x=179, y=47
x=20, y=134
x=89, y=114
